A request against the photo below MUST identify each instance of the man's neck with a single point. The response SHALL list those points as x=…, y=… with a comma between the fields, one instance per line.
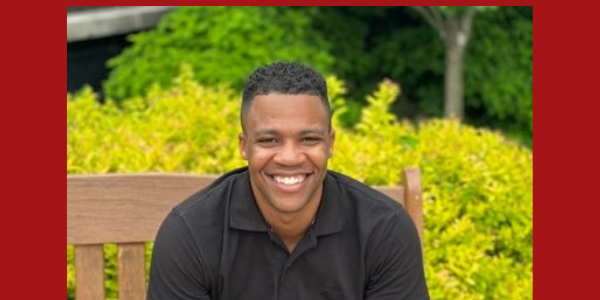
x=291, y=227
x=291, y=230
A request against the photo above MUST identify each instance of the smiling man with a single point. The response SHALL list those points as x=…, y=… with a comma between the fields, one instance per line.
x=287, y=141
x=285, y=227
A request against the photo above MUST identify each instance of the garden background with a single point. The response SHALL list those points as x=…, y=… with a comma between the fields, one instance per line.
x=171, y=104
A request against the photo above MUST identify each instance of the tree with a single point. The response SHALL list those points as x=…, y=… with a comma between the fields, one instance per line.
x=221, y=44
x=453, y=24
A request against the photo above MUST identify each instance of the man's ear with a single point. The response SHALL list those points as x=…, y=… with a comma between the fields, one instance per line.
x=243, y=143
x=331, y=139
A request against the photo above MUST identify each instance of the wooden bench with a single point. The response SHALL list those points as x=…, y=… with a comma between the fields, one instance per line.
x=128, y=210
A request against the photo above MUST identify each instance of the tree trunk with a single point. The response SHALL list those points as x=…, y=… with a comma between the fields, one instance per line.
x=456, y=42
x=454, y=32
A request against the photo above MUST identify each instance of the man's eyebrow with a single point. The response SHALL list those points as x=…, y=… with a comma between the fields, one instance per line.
x=313, y=131
x=266, y=132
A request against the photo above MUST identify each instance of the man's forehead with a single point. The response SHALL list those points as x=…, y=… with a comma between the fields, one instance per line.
x=281, y=114
x=300, y=131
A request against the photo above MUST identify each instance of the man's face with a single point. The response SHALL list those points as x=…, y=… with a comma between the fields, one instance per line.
x=287, y=143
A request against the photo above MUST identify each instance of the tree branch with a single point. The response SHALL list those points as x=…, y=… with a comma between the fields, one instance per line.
x=434, y=18
x=466, y=23
x=437, y=15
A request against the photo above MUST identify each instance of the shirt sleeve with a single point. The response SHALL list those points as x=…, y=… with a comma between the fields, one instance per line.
x=395, y=262
x=176, y=270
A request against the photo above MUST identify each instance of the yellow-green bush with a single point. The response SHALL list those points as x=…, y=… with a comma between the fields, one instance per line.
x=477, y=185
x=70, y=274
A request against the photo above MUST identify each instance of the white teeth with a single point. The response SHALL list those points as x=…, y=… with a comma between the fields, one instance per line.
x=289, y=180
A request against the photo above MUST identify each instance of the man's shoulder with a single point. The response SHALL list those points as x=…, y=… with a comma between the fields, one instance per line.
x=377, y=214
x=363, y=194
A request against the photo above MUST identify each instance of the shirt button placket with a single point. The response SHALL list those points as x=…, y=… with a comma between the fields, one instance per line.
x=284, y=290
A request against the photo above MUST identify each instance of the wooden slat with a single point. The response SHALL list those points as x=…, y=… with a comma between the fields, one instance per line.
x=124, y=208
x=89, y=272
x=394, y=192
x=132, y=271
x=411, y=179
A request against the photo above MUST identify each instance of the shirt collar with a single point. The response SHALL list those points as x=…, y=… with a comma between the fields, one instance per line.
x=329, y=216
x=245, y=215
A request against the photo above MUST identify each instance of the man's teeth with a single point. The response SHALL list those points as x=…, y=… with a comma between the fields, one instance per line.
x=289, y=180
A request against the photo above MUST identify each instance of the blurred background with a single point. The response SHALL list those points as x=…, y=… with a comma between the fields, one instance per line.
x=448, y=89
x=361, y=45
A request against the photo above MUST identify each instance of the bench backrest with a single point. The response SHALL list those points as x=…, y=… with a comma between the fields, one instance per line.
x=127, y=209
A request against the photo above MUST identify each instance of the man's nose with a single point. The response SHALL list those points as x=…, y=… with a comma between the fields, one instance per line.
x=289, y=155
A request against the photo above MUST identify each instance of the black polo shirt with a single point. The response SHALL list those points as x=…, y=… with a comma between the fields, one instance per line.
x=216, y=245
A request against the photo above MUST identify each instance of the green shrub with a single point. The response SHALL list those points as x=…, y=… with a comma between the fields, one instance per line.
x=70, y=274
x=187, y=129
x=477, y=185
x=499, y=71
x=223, y=44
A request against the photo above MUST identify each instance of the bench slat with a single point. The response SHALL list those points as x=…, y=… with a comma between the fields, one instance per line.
x=411, y=179
x=118, y=208
x=89, y=272
x=394, y=192
x=132, y=271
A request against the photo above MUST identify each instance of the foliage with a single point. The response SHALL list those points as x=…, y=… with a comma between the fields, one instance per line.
x=477, y=185
x=222, y=44
x=499, y=81
x=187, y=129
x=396, y=43
x=70, y=274
x=451, y=11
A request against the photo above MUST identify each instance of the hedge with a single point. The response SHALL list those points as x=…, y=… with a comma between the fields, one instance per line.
x=477, y=185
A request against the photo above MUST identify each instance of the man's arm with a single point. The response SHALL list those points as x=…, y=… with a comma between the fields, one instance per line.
x=177, y=271
x=395, y=261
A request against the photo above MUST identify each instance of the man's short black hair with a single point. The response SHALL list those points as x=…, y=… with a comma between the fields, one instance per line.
x=290, y=78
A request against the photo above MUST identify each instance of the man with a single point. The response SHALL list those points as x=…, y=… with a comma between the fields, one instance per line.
x=285, y=227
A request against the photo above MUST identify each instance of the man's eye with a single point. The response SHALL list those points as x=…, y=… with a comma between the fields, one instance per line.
x=310, y=140
x=267, y=141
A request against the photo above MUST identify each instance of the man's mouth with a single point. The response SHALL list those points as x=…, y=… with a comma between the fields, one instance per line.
x=290, y=180
x=289, y=183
